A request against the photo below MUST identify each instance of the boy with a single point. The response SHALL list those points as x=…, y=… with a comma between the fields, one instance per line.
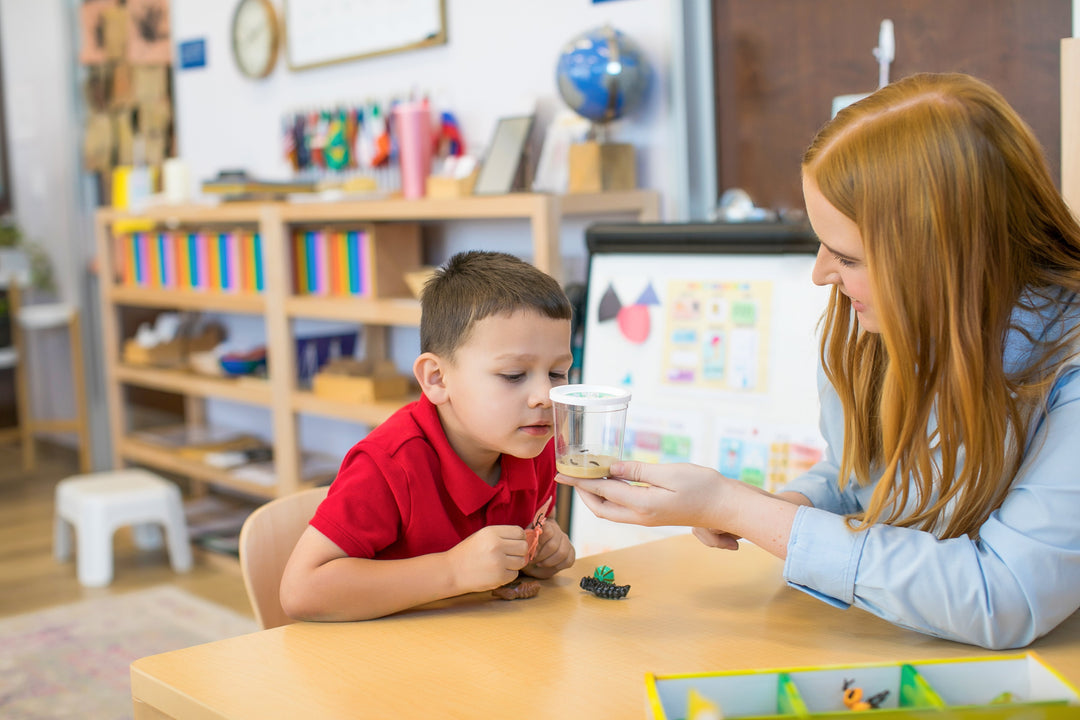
x=434, y=502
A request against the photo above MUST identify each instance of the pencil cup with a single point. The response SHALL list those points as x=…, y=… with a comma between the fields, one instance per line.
x=413, y=124
x=589, y=424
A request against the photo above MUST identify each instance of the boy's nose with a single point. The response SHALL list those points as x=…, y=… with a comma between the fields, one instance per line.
x=540, y=393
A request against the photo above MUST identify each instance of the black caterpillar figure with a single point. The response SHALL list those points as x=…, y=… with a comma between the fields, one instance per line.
x=601, y=589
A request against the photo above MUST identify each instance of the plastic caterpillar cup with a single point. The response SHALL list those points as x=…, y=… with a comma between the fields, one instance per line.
x=589, y=424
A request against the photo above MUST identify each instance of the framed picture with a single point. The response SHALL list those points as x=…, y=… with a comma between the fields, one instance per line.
x=502, y=165
x=92, y=31
x=148, y=32
x=321, y=32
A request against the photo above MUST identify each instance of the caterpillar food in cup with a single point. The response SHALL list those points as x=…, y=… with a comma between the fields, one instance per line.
x=590, y=421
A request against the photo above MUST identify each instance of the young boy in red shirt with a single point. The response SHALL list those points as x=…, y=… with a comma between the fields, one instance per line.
x=435, y=501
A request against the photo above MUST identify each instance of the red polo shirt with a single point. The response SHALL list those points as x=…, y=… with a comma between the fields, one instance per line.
x=402, y=491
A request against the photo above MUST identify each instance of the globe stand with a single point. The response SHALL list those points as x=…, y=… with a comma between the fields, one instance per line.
x=602, y=166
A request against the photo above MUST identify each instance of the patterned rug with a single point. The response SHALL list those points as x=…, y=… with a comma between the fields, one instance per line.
x=71, y=661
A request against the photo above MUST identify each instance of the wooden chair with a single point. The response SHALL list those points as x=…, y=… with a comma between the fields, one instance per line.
x=266, y=541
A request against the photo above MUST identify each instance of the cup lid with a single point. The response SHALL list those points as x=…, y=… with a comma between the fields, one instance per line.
x=590, y=395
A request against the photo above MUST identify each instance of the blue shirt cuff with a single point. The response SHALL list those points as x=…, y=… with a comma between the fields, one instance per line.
x=823, y=556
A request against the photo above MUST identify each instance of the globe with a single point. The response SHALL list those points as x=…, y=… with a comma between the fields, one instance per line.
x=602, y=74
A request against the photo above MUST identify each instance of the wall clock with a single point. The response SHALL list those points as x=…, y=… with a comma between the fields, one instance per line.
x=255, y=36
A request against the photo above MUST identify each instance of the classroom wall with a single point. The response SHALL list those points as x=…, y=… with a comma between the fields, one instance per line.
x=499, y=61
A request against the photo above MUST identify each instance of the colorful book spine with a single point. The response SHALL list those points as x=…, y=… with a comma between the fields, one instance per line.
x=352, y=244
x=334, y=262
x=247, y=262
x=183, y=261
x=213, y=263
x=342, y=267
x=168, y=260
x=260, y=282
x=300, y=264
x=139, y=249
x=126, y=254
x=309, y=261
x=223, y=261
x=236, y=272
x=202, y=262
x=153, y=260
x=366, y=282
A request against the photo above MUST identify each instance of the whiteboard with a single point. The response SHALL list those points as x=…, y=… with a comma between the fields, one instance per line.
x=320, y=32
x=719, y=347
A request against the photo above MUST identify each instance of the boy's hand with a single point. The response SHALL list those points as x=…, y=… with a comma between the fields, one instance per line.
x=554, y=553
x=488, y=558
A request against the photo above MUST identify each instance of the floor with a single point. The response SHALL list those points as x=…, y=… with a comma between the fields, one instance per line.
x=31, y=579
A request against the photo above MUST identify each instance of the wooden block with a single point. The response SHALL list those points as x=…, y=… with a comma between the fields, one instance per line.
x=448, y=187
x=599, y=167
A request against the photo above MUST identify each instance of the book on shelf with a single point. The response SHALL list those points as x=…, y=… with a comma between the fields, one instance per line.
x=229, y=262
x=331, y=262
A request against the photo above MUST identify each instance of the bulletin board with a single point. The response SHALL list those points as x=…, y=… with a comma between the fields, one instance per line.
x=321, y=32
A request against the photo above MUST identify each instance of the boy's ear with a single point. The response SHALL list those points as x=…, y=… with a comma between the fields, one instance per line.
x=428, y=370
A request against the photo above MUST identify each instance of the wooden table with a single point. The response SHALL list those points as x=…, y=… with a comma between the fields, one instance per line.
x=562, y=654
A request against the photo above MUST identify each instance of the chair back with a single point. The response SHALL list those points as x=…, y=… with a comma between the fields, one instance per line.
x=267, y=539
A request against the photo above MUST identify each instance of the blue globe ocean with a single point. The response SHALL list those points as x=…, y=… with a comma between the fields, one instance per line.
x=602, y=74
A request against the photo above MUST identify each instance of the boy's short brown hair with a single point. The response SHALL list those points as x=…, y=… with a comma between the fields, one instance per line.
x=475, y=284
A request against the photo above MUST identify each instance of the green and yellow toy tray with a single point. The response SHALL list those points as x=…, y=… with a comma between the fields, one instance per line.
x=1010, y=685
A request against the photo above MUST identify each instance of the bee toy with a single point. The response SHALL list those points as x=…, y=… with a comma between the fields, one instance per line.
x=853, y=697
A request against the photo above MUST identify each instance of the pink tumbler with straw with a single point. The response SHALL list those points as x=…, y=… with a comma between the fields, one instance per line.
x=412, y=121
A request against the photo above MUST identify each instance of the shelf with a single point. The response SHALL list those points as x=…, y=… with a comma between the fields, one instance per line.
x=164, y=459
x=255, y=391
x=366, y=414
x=395, y=247
x=239, y=212
x=188, y=300
x=392, y=311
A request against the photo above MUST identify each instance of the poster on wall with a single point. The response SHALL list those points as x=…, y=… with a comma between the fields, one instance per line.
x=321, y=32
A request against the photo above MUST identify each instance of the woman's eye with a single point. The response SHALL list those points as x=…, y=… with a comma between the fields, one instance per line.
x=844, y=261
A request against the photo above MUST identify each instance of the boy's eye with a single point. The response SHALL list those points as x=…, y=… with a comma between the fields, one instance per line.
x=558, y=375
x=512, y=377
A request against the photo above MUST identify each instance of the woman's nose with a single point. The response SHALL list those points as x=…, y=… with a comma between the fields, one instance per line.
x=824, y=272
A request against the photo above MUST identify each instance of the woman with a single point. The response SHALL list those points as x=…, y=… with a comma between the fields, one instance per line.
x=950, y=386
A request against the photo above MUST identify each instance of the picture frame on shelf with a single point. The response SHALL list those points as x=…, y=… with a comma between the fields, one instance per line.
x=501, y=171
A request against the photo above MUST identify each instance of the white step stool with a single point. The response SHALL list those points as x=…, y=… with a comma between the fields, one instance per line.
x=96, y=504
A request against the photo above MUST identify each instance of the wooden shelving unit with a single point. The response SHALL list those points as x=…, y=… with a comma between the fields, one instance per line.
x=279, y=306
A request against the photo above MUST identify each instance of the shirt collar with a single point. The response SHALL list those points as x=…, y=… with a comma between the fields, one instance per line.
x=468, y=491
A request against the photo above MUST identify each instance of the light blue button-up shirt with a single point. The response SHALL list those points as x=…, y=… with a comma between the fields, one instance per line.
x=1015, y=583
